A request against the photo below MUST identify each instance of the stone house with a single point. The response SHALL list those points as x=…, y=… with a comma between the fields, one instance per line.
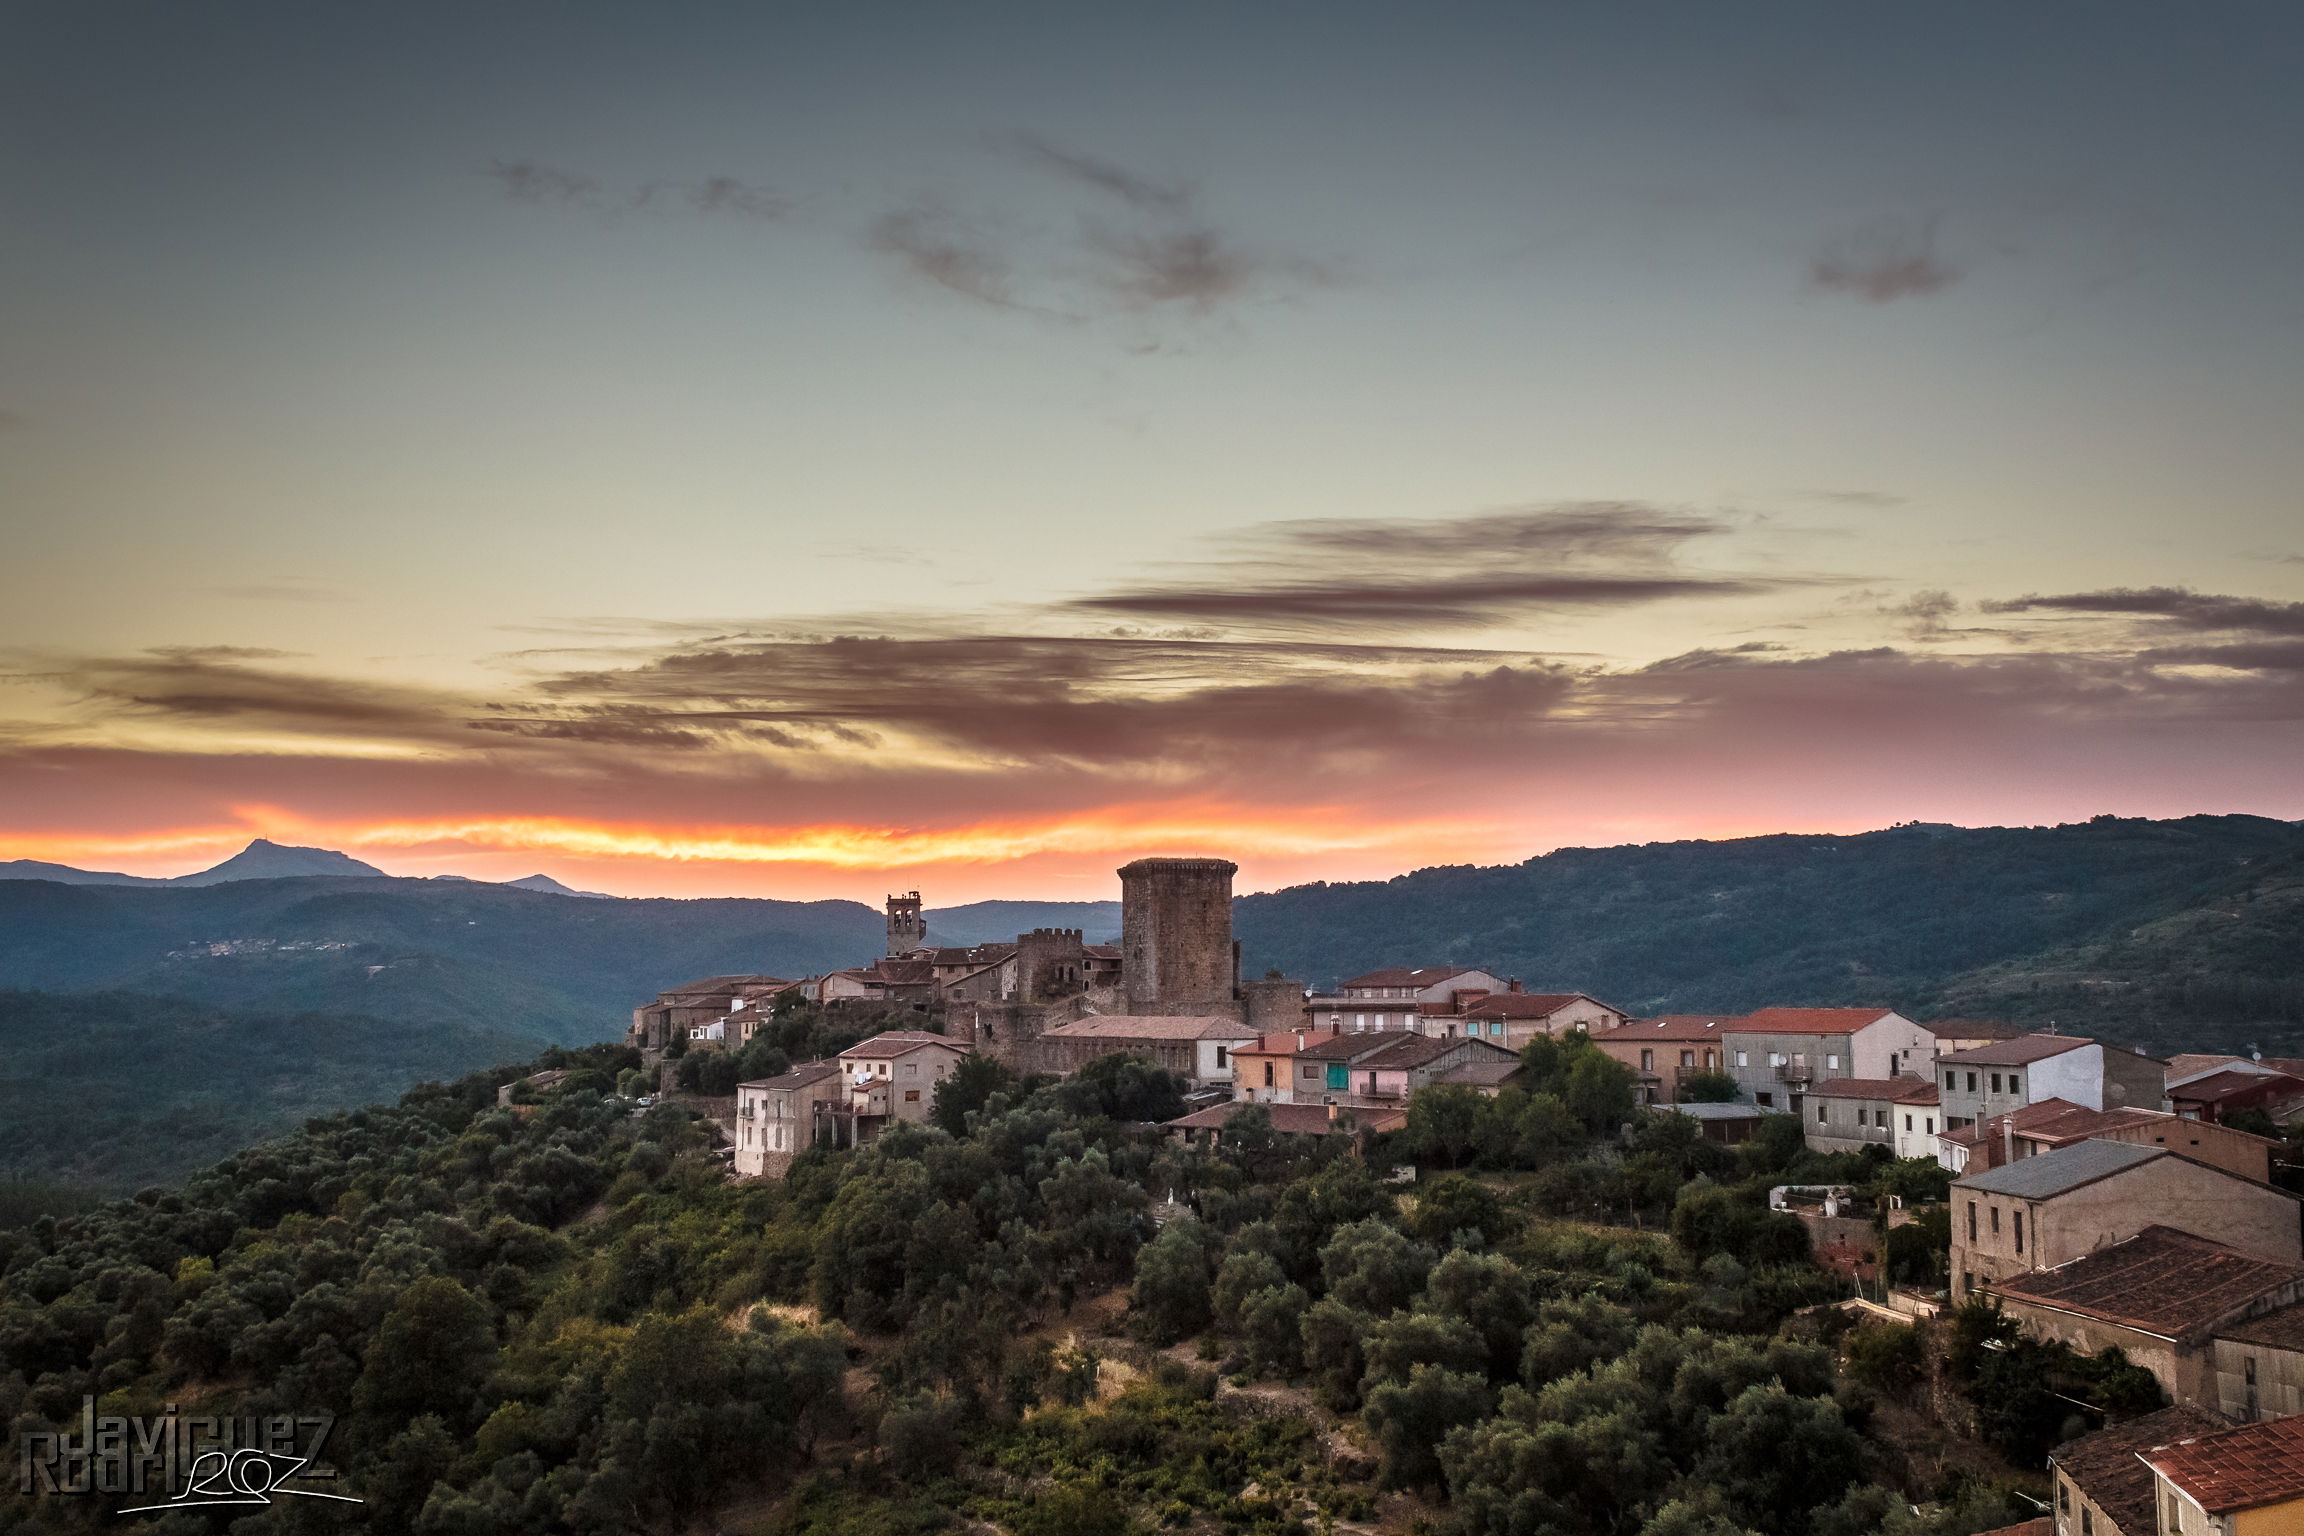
x=1663, y=1051
x=2054, y=1123
x=2102, y=1486
x=2211, y=1096
x=1301, y=1067
x=715, y=1011
x=777, y=1118
x=2043, y=1211
x=1197, y=1047
x=1394, y=998
x=2247, y=1481
x=1390, y=1076
x=2164, y=1297
x=892, y=1076
x=2006, y=1075
x=1208, y=1125
x=2259, y=1365
x=1848, y=1114
x=1727, y=1124
x=1512, y=1018
x=1777, y=1054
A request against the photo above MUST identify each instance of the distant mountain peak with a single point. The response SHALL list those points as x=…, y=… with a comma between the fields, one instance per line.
x=264, y=859
x=552, y=887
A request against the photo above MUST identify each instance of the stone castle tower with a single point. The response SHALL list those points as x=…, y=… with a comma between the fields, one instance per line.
x=907, y=928
x=1176, y=947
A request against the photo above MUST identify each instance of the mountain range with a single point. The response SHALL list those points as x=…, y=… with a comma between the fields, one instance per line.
x=2154, y=929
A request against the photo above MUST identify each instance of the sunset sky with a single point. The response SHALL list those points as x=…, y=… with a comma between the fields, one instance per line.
x=814, y=450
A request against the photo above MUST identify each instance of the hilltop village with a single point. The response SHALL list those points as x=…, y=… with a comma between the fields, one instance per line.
x=2097, y=1197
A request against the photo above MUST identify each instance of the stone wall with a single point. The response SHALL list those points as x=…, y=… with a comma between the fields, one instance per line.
x=1176, y=936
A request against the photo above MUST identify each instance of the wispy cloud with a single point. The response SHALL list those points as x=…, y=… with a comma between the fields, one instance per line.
x=2179, y=606
x=528, y=181
x=1442, y=572
x=1139, y=247
x=1883, y=261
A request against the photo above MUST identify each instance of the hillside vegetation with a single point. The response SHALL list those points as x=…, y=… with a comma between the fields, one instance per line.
x=2120, y=924
x=418, y=951
x=561, y=1320
x=113, y=1090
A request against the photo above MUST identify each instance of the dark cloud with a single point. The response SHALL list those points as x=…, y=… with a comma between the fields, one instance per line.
x=219, y=684
x=2180, y=606
x=1159, y=197
x=1886, y=260
x=932, y=247
x=1142, y=247
x=1442, y=571
x=526, y=181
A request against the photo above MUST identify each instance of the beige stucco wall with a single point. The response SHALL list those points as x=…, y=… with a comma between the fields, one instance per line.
x=2168, y=1191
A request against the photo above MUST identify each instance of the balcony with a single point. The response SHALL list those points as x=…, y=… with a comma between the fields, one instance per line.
x=1795, y=1073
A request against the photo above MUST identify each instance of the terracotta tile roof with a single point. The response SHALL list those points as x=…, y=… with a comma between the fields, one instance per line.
x=1353, y=1045
x=1672, y=1027
x=898, y=1042
x=1298, y=1119
x=798, y=1077
x=1142, y=1026
x=2280, y=1328
x=2104, y=1465
x=722, y=986
x=1524, y=1005
x=1416, y=1050
x=2232, y=1083
x=2041, y=1113
x=2079, y=1122
x=2038, y=1525
x=1893, y=1090
x=2244, y=1468
x=1412, y=976
x=1972, y=1029
x=2160, y=1281
x=1102, y=951
x=1479, y=1074
x=2019, y=1052
x=1807, y=1021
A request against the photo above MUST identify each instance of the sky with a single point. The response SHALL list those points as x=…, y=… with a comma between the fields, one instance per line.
x=816, y=450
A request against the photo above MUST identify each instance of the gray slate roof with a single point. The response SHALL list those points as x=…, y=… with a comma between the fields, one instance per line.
x=2052, y=1173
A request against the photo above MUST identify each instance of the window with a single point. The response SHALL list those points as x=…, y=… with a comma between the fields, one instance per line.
x=1268, y=1073
x=1223, y=1057
x=911, y=1069
x=1496, y=1028
x=1820, y=1118
x=1709, y=1059
x=1359, y=1022
x=2016, y=1219
x=1971, y=1082
x=2087, y=1521
x=1931, y=1125
x=1995, y=1221
x=1971, y=1221
x=1831, y=1063
x=2063, y=1497
x=1907, y=1125
x=1743, y=1058
x=1764, y=1100
x=2015, y=1083
x=911, y=1095
x=1950, y=1081
x=1995, y=1082
x=1647, y=1061
x=1687, y=1058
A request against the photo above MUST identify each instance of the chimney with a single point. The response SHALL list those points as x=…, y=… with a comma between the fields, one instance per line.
x=1299, y=1039
x=2007, y=1139
x=1513, y=986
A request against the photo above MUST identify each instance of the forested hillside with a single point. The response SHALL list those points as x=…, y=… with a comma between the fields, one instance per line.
x=418, y=951
x=560, y=1320
x=113, y=1090
x=2111, y=923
